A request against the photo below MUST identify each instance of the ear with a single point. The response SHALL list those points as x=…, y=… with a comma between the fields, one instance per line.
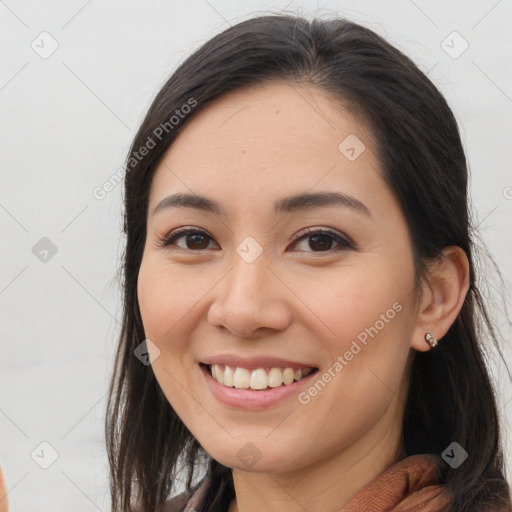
x=443, y=296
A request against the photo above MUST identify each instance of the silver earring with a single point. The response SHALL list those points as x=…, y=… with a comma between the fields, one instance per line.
x=430, y=339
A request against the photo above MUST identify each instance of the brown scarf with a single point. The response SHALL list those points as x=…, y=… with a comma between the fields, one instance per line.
x=409, y=485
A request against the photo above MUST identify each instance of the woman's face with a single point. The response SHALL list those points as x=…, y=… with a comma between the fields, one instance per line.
x=270, y=280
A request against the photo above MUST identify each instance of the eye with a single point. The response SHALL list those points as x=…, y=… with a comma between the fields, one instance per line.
x=321, y=240
x=194, y=239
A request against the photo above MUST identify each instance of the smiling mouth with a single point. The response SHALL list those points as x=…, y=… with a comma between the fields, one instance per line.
x=259, y=379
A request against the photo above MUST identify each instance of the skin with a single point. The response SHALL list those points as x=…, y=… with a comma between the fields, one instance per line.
x=295, y=301
x=4, y=501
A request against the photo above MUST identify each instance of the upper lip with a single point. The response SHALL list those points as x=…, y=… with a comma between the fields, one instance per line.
x=253, y=363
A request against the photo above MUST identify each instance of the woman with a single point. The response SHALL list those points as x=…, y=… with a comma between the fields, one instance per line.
x=300, y=311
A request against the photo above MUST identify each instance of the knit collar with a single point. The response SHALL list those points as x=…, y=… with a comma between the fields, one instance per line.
x=409, y=485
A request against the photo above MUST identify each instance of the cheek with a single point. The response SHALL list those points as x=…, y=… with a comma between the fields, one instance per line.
x=364, y=321
x=349, y=302
x=364, y=325
x=166, y=297
x=166, y=301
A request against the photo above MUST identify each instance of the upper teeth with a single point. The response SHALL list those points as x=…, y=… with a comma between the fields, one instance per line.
x=256, y=379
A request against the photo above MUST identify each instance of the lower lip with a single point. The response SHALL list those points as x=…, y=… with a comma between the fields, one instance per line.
x=250, y=399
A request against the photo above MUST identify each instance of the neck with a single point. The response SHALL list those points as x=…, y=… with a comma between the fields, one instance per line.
x=327, y=485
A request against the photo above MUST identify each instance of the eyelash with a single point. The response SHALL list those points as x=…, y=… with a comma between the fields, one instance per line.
x=344, y=243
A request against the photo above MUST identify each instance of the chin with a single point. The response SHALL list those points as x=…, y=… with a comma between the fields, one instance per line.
x=256, y=456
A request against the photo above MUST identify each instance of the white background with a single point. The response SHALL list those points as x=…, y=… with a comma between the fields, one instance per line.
x=66, y=124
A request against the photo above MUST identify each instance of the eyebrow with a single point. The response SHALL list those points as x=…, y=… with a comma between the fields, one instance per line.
x=298, y=202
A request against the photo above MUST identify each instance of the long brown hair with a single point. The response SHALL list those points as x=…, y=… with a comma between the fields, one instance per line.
x=423, y=162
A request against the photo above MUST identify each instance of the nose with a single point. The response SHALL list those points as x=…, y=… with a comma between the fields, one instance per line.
x=250, y=300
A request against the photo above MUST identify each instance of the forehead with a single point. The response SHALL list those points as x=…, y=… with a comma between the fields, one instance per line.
x=278, y=136
x=281, y=112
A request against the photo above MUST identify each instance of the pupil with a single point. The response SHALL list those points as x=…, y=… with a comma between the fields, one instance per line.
x=323, y=241
x=197, y=240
